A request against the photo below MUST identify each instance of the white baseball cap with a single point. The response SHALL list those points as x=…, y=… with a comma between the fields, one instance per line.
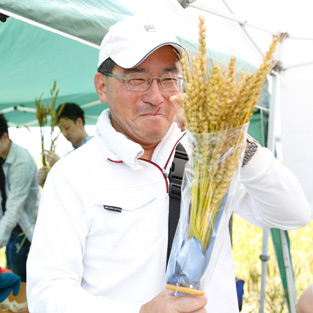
x=134, y=38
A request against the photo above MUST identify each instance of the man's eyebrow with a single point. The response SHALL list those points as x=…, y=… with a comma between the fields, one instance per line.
x=143, y=70
x=134, y=70
x=171, y=69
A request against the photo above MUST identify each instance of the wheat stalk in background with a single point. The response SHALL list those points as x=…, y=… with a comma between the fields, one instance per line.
x=218, y=102
x=45, y=113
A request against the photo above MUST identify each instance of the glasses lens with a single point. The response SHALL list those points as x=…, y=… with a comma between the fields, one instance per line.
x=137, y=81
x=171, y=82
x=142, y=81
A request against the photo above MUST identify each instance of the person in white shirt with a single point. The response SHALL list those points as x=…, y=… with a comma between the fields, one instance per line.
x=71, y=121
x=100, y=242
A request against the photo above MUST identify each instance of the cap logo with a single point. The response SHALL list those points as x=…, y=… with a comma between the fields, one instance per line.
x=149, y=28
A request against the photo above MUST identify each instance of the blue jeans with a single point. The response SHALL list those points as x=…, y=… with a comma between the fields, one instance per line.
x=16, y=260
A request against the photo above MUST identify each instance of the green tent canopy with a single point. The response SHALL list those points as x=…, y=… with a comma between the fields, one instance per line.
x=37, y=49
x=32, y=59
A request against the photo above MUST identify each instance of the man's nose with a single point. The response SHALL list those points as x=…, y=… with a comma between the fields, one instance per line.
x=154, y=94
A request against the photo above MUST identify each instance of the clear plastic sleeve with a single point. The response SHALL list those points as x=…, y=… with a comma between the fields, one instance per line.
x=209, y=186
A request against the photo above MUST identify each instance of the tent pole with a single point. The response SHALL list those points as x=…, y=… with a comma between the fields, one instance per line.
x=272, y=113
x=231, y=17
x=245, y=30
x=271, y=146
x=289, y=273
x=264, y=256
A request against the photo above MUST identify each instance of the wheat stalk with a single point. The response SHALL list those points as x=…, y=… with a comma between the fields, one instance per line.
x=218, y=102
x=45, y=113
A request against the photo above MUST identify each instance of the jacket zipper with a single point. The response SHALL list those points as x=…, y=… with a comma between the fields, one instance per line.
x=163, y=171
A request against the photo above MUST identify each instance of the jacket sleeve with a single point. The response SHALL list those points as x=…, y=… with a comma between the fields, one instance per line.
x=19, y=179
x=270, y=195
x=55, y=263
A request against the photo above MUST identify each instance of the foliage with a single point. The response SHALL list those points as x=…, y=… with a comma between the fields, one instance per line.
x=45, y=114
x=247, y=245
x=2, y=258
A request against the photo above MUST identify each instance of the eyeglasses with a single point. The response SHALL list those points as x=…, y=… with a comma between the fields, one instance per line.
x=142, y=81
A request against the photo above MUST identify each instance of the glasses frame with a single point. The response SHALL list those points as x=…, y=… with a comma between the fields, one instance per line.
x=180, y=81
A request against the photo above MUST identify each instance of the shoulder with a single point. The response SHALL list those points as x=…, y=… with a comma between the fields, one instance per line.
x=81, y=168
x=81, y=159
x=19, y=154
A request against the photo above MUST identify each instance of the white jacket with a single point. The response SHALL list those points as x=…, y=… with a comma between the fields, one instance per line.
x=87, y=256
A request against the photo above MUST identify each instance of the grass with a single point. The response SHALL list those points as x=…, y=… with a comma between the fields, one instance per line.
x=2, y=258
x=247, y=245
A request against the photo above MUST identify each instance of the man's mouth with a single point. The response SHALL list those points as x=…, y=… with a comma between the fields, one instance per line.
x=156, y=112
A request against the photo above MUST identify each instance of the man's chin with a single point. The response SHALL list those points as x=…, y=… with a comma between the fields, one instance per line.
x=153, y=137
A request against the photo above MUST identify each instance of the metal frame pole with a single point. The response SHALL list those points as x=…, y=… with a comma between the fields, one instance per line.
x=289, y=273
x=264, y=256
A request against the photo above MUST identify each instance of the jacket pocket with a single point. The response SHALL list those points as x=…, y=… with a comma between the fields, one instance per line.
x=130, y=199
x=134, y=218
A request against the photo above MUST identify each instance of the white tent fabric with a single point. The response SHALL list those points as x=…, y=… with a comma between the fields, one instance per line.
x=261, y=20
x=297, y=130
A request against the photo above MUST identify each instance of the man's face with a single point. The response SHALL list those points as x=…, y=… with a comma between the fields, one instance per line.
x=71, y=130
x=4, y=145
x=133, y=112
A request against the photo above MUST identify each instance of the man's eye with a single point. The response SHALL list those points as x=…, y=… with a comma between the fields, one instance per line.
x=170, y=79
x=137, y=81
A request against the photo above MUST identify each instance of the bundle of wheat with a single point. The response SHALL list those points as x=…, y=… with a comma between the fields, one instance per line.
x=217, y=109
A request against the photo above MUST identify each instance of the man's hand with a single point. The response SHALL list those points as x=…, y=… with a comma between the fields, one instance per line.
x=51, y=157
x=42, y=175
x=180, y=117
x=165, y=302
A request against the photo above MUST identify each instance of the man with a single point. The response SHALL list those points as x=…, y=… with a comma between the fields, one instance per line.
x=19, y=194
x=101, y=239
x=71, y=121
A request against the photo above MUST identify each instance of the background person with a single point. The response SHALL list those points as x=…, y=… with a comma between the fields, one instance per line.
x=71, y=122
x=100, y=243
x=19, y=200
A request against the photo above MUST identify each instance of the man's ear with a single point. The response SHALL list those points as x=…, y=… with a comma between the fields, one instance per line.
x=5, y=136
x=100, y=84
x=79, y=121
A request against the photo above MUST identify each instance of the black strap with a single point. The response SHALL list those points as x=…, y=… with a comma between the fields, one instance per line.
x=175, y=178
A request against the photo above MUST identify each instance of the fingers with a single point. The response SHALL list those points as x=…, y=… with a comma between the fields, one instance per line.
x=43, y=169
x=49, y=153
x=42, y=175
x=180, y=117
x=51, y=157
x=166, y=302
x=188, y=304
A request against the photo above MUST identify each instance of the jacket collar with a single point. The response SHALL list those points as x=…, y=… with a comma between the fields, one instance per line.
x=120, y=148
